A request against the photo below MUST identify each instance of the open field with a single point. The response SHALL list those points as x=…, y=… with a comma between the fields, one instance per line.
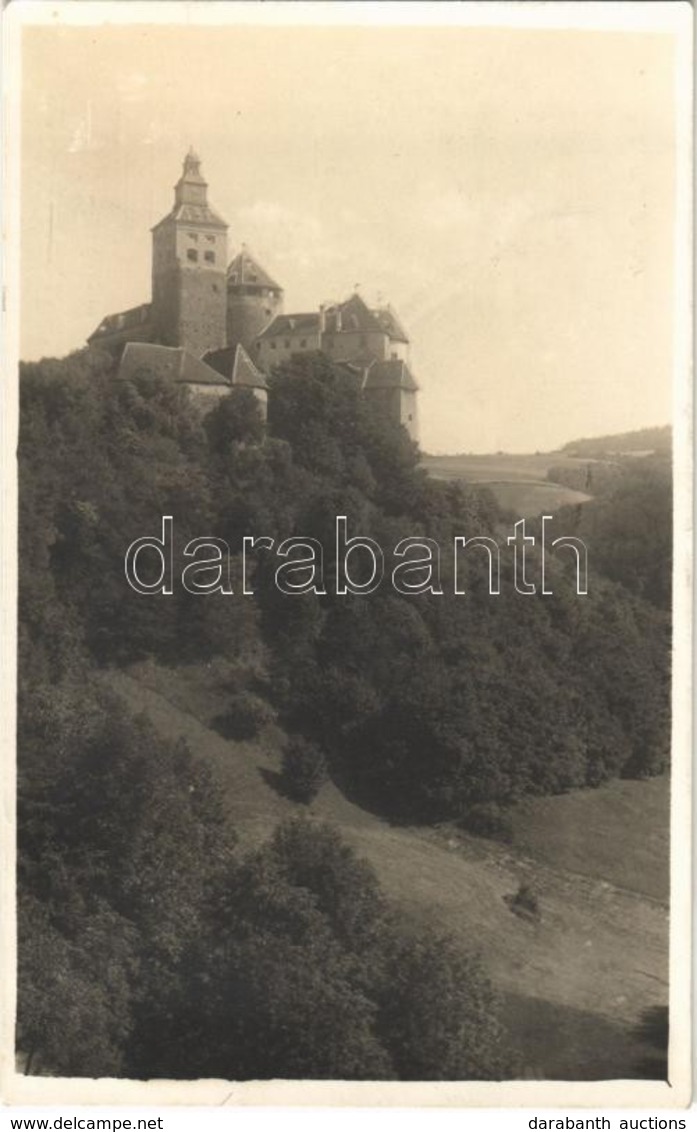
x=504, y=466
x=576, y=984
x=517, y=481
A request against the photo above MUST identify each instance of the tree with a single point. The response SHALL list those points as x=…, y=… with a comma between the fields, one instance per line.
x=73, y=989
x=438, y=1013
x=303, y=769
x=235, y=419
x=313, y=856
x=301, y=969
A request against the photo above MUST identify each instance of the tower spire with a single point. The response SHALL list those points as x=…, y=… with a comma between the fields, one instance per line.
x=191, y=188
x=192, y=163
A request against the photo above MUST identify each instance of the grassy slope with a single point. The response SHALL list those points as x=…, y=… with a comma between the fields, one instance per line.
x=517, y=481
x=619, y=833
x=576, y=984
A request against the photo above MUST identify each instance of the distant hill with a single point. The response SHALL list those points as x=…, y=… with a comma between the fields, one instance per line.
x=519, y=483
x=545, y=481
x=642, y=442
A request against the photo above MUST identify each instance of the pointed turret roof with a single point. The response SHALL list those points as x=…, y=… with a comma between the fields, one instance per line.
x=245, y=270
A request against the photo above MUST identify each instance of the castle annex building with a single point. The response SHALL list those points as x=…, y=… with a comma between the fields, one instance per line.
x=213, y=325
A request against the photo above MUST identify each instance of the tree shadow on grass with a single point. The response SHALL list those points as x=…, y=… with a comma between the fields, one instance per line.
x=277, y=783
x=557, y=1042
x=652, y=1029
x=229, y=725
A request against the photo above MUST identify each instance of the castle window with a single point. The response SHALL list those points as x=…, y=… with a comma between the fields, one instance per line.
x=303, y=342
x=192, y=254
x=287, y=343
x=193, y=236
x=253, y=278
x=215, y=288
x=210, y=239
x=393, y=354
x=209, y=257
x=233, y=277
x=273, y=344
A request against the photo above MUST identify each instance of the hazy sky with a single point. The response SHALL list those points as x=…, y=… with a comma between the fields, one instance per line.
x=510, y=192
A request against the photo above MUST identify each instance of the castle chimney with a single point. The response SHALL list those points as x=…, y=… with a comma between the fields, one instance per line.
x=322, y=318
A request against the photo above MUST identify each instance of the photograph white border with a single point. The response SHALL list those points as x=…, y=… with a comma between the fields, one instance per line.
x=671, y=18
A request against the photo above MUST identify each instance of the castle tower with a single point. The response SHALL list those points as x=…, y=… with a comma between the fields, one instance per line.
x=189, y=254
x=253, y=300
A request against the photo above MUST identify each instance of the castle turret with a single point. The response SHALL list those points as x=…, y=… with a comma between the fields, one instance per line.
x=189, y=248
x=253, y=300
x=391, y=389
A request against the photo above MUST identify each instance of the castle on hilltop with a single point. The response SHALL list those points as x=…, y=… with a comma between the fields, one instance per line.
x=213, y=326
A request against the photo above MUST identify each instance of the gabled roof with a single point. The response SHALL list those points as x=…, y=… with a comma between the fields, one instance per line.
x=390, y=324
x=245, y=270
x=171, y=362
x=292, y=324
x=221, y=360
x=392, y=374
x=236, y=366
x=355, y=315
x=123, y=320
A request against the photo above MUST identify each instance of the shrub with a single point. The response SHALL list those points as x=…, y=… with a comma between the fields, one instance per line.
x=303, y=770
x=244, y=718
x=525, y=902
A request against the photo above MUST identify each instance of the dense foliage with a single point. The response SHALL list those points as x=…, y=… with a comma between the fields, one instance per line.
x=628, y=522
x=149, y=944
x=426, y=705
